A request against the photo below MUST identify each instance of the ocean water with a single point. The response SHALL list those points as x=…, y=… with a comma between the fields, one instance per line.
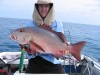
x=73, y=32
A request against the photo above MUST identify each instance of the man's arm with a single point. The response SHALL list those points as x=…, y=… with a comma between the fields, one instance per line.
x=62, y=37
x=59, y=34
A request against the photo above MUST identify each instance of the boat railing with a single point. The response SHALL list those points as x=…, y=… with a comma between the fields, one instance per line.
x=91, y=65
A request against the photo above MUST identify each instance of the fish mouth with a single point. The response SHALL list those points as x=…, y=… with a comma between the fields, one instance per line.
x=13, y=36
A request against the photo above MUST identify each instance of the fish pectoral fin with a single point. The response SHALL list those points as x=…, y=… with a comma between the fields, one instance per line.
x=59, y=54
x=36, y=47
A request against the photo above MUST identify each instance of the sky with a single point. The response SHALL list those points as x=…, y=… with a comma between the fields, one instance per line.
x=72, y=11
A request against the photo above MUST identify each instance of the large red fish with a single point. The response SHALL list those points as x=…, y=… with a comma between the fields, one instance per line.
x=48, y=41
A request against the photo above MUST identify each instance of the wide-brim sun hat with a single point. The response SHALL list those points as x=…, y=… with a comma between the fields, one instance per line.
x=49, y=19
x=44, y=2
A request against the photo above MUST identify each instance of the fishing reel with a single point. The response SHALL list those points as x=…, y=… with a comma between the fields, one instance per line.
x=26, y=46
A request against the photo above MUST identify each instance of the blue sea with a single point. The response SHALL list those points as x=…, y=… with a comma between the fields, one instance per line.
x=73, y=32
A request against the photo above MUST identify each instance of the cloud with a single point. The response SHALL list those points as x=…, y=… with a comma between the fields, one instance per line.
x=70, y=10
x=76, y=5
x=79, y=11
x=17, y=4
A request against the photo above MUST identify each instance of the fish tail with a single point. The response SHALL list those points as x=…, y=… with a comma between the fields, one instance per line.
x=76, y=48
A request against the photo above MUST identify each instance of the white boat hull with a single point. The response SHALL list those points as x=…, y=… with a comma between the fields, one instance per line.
x=87, y=66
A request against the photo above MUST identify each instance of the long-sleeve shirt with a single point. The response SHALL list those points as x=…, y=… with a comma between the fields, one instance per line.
x=56, y=26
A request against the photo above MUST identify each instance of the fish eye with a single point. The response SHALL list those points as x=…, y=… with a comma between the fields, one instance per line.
x=21, y=30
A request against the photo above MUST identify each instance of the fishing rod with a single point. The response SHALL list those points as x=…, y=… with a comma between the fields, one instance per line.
x=22, y=57
x=21, y=60
x=69, y=56
x=70, y=39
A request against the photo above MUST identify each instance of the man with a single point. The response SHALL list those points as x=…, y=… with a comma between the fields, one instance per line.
x=43, y=16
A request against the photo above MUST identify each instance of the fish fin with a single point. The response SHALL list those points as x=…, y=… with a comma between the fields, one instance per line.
x=58, y=54
x=76, y=48
x=36, y=47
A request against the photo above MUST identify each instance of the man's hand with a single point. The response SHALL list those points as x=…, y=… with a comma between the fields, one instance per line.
x=45, y=26
x=67, y=43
